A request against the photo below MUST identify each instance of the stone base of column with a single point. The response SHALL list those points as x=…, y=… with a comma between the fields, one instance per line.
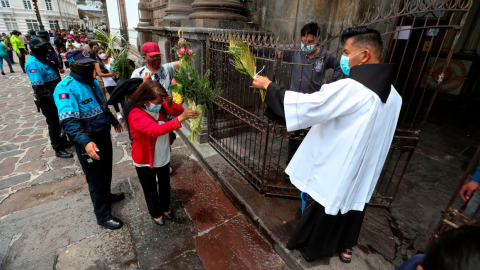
x=209, y=23
x=226, y=10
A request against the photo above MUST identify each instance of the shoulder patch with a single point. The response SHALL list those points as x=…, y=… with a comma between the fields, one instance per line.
x=33, y=71
x=63, y=96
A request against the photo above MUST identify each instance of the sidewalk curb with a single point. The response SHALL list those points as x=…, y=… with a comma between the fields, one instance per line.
x=279, y=248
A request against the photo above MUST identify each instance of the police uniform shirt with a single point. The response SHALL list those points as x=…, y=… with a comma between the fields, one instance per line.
x=164, y=76
x=75, y=99
x=41, y=73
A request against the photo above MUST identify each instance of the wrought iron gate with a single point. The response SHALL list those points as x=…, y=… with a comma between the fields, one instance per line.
x=417, y=35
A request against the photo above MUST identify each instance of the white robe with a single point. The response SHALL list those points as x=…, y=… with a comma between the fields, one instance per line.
x=340, y=160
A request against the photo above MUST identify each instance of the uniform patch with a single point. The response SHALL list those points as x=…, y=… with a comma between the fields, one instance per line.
x=162, y=76
x=86, y=54
x=63, y=96
x=87, y=101
x=33, y=71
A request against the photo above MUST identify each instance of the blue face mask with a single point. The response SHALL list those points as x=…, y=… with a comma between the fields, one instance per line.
x=308, y=49
x=153, y=107
x=344, y=63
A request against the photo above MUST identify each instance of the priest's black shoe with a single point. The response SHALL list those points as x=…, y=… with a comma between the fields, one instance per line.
x=63, y=154
x=302, y=251
x=160, y=222
x=115, y=197
x=112, y=224
x=169, y=216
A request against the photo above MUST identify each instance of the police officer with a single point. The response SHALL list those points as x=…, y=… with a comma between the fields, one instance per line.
x=52, y=54
x=44, y=78
x=86, y=118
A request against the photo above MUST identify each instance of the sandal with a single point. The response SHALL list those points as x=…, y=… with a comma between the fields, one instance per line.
x=343, y=258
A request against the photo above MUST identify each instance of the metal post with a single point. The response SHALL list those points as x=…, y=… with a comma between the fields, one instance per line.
x=60, y=11
x=39, y=19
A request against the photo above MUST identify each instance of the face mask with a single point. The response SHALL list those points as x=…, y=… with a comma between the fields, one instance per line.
x=83, y=71
x=154, y=63
x=308, y=49
x=154, y=108
x=103, y=56
x=41, y=53
x=344, y=63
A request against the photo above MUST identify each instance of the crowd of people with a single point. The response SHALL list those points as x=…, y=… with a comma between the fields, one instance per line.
x=351, y=121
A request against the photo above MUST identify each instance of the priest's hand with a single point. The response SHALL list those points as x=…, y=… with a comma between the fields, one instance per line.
x=261, y=82
x=467, y=190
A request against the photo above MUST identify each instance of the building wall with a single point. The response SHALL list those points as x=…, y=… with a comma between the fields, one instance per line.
x=17, y=12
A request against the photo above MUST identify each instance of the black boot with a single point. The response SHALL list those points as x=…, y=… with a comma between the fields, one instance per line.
x=63, y=154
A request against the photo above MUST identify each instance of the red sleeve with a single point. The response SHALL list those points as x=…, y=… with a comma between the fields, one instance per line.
x=175, y=111
x=141, y=122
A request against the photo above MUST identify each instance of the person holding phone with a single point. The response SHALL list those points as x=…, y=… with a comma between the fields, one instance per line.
x=85, y=116
x=146, y=117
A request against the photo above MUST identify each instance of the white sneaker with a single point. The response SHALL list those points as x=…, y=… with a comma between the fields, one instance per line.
x=119, y=116
x=171, y=170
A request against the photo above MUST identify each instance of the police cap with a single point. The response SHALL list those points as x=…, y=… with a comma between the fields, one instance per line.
x=37, y=42
x=79, y=56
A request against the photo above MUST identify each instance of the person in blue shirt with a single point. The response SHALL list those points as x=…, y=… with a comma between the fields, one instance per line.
x=52, y=54
x=470, y=194
x=85, y=116
x=44, y=78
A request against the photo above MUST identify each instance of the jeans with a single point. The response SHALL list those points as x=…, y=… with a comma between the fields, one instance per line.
x=157, y=195
x=99, y=174
x=473, y=205
x=7, y=59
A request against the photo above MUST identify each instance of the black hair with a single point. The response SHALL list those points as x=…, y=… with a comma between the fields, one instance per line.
x=456, y=249
x=147, y=91
x=368, y=36
x=131, y=63
x=310, y=28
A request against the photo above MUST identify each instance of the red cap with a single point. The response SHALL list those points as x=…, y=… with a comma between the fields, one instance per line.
x=151, y=49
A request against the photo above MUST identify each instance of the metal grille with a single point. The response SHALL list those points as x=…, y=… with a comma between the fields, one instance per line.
x=417, y=35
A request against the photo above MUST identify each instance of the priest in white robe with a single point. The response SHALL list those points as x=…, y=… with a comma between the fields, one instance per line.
x=339, y=162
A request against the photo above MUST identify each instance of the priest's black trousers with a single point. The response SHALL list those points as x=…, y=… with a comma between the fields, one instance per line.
x=323, y=235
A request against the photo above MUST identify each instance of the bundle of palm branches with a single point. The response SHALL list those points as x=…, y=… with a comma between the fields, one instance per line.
x=118, y=52
x=109, y=41
x=243, y=59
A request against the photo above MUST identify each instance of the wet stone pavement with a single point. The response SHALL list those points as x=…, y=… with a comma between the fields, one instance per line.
x=47, y=220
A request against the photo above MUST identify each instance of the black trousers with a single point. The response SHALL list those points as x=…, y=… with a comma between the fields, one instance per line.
x=10, y=54
x=99, y=174
x=157, y=195
x=49, y=110
x=110, y=90
x=22, y=59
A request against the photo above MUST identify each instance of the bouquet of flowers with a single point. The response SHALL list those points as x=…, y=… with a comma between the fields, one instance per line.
x=243, y=60
x=194, y=87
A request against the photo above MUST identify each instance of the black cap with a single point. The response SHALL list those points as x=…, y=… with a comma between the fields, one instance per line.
x=123, y=89
x=37, y=42
x=79, y=56
x=43, y=33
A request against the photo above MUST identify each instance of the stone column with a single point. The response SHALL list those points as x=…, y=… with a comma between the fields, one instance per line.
x=223, y=10
x=178, y=10
x=145, y=14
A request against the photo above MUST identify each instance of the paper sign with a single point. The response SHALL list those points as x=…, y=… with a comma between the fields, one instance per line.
x=403, y=33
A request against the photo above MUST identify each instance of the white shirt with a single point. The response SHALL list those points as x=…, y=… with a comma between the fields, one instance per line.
x=109, y=81
x=162, y=148
x=340, y=160
x=164, y=75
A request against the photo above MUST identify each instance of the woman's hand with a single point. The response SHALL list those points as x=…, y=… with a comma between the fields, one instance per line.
x=114, y=74
x=187, y=114
x=147, y=77
x=180, y=41
x=118, y=128
x=169, y=100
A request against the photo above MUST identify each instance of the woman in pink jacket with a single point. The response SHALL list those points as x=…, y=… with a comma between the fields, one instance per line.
x=149, y=127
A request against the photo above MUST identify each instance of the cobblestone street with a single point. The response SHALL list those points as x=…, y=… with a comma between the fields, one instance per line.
x=47, y=220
